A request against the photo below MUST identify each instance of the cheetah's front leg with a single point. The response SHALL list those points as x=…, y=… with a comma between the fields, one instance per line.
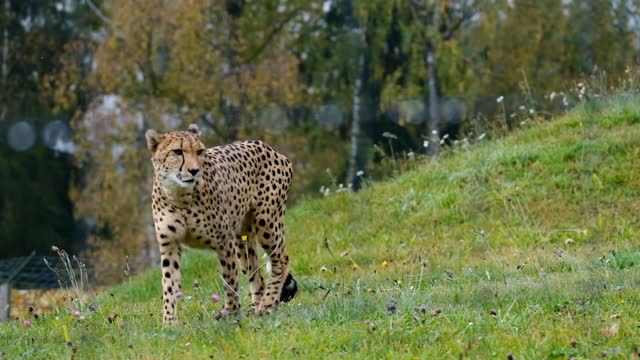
x=171, y=277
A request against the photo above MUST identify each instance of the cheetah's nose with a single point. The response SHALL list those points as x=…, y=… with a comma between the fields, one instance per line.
x=194, y=171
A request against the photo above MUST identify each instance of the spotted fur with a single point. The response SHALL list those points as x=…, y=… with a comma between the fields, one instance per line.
x=229, y=199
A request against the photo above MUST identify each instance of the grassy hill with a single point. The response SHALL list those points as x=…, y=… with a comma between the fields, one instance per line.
x=525, y=246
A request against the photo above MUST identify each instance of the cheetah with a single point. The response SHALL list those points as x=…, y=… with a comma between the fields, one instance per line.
x=229, y=199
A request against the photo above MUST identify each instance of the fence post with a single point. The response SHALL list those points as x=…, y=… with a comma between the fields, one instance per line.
x=5, y=301
x=5, y=289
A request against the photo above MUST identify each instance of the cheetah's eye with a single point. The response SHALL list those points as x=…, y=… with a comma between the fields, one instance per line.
x=177, y=152
x=199, y=152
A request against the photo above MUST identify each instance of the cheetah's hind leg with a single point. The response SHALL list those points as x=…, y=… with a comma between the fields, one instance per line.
x=248, y=255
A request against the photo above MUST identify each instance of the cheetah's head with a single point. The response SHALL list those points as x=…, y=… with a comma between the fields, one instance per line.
x=177, y=157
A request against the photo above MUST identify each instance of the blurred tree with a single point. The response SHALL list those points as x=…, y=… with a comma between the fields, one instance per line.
x=35, y=210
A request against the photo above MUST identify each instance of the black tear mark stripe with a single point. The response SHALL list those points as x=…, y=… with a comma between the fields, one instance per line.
x=181, y=155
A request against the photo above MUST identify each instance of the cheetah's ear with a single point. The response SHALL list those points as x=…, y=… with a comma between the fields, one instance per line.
x=193, y=128
x=153, y=139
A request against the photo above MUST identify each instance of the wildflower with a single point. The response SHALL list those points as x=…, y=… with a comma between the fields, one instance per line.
x=26, y=323
x=552, y=95
x=531, y=111
x=482, y=136
x=354, y=265
x=399, y=282
x=585, y=232
x=470, y=323
x=224, y=312
x=385, y=263
x=500, y=99
x=360, y=173
x=426, y=143
x=215, y=297
x=178, y=293
x=244, y=237
x=75, y=313
x=522, y=107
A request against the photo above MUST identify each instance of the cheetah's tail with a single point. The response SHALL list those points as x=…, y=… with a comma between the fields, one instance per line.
x=289, y=289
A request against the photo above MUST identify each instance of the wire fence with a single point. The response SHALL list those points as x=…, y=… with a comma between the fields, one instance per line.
x=32, y=272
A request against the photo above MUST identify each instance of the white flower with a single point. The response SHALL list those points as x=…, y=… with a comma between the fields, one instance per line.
x=522, y=107
x=531, y=111
x=426, y=143
x=359, y=173
x=482, y=136
x=500, y=99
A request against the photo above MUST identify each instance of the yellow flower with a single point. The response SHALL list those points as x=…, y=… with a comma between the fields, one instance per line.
x=244, y=237
x=354, y=266
x=399, y=282
x=621, y=301
x=585, y=232
x=384, y=263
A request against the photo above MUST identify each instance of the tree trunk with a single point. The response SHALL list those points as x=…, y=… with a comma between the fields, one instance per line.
x=434, y=106
x=432, y=73
x=355, y=127
x=5, y=44
x=5, y=57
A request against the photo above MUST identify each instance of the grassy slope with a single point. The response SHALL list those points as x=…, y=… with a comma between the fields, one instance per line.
x=478, y=238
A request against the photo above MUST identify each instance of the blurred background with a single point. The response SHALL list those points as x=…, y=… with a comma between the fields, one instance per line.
x=350, y=90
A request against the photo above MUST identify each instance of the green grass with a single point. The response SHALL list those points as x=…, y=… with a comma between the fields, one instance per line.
x=526, y=245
